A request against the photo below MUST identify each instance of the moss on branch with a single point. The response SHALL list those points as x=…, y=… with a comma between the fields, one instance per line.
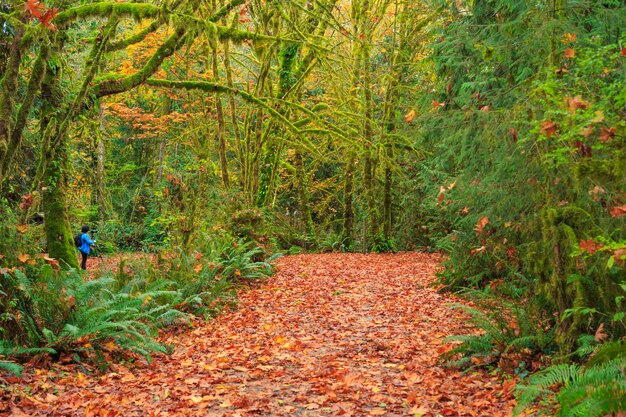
x=108, y=86
x=108, y=9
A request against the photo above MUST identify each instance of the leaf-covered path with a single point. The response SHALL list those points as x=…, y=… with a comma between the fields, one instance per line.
x=328, y=335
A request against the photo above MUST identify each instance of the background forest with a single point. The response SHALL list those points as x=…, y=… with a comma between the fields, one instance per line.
x=214, y=134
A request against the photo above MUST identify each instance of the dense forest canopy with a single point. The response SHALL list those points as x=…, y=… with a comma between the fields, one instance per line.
x=491, y=130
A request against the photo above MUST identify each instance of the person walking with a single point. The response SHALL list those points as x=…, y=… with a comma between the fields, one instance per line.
x=85, y=246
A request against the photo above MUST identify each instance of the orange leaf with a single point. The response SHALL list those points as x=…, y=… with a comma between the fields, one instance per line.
x=600, y=334
x=21, y=228
x=590, y=246
x=575, y=103
x=568, y=37
x=34, y=8
x=23, y=257
x=27, y=201
x=618, y=211
x=437, y=104
x=549, y=128
x=607, y=133
x=480, y=225
x=569, y=53
x=410, y=116
x=198, y=268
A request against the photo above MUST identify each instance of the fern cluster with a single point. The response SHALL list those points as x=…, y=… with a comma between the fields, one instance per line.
x=596, y=389
x=50, y=311
x=510, y=336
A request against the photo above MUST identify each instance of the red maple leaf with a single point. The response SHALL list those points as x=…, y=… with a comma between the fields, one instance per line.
x=607, y=133
x=34, y=8
x=549, y=128
x=618, y=211
x=46, y=19
x=575, y=103
x=590, y=246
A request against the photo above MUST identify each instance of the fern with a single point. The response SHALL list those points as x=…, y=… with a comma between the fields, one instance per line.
x=595, y=390
x=11, y=367
x=505, y=328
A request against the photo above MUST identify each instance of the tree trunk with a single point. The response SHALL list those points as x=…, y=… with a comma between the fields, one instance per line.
x=220, y=137
x=348, y=209
x=56, y=164
x=100, y=181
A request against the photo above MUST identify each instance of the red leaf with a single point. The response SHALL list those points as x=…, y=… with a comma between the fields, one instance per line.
x=48, y=16
x=27, y=201
x=584, y=149
x=607, y=133
x=34, y=8
x=623, y=52
x=549, y=128
x=618, y=211
x=437, y=104
x=514, y=134
x=575, y=103
x=590, y=246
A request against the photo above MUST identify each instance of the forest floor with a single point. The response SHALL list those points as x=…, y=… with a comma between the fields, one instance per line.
x=327, y=335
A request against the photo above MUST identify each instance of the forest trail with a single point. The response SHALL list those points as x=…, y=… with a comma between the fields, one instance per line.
x=327, y=335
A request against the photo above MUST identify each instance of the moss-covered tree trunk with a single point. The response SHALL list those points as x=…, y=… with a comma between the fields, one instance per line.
x=55, y=168
x=220, y=136
x=347, y=235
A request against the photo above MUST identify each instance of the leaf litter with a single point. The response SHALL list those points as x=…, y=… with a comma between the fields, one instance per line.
x=327, y=335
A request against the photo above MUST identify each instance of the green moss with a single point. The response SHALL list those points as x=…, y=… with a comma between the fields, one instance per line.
x=107, y=9
x=136, y=38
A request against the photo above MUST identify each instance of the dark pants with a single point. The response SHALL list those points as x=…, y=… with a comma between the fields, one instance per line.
x=83, y=264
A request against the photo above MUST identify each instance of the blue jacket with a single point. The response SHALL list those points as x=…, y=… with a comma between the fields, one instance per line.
x=86, y=244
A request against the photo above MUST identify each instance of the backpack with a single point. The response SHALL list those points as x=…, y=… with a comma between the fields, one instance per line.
x=78, y=240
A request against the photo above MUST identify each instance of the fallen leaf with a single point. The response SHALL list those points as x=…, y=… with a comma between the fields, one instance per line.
x=480, y=225
x=600, y=335
x=607, y=133
x=618, y=211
